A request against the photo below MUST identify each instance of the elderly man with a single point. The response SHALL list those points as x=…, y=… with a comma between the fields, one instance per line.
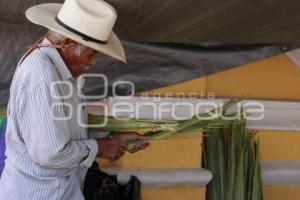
x=48, y=152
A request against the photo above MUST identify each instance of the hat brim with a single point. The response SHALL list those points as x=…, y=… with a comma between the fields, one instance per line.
x=44, y=15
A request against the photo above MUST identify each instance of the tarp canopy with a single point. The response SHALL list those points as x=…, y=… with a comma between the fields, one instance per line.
x=166, y=42
x=192, y=21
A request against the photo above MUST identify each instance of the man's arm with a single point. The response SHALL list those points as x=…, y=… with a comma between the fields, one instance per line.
x=48, y=140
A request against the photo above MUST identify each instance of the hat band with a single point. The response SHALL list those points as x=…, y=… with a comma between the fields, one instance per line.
x=84, y=36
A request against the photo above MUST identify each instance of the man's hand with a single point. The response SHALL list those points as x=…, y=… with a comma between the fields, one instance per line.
x=139, y=140
x=115, y=147
x=111, y=148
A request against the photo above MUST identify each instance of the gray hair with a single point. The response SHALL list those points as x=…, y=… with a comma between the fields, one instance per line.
x=55, y=37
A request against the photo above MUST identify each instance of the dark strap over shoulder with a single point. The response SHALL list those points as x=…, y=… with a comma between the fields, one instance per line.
x=36, y=45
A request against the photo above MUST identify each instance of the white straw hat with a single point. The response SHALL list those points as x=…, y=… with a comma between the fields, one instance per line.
x=88, y=22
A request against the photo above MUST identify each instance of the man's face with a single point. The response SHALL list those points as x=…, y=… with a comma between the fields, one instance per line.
x=77, y=56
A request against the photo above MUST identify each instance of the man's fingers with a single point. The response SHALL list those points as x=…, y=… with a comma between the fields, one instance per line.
x=139, y=146
x=123, y=147
x=133, y=150
x=120, y=154
x=132, y=136
x=143, y=143
x=117, y=157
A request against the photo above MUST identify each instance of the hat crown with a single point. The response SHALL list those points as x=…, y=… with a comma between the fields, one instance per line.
x=94, y=18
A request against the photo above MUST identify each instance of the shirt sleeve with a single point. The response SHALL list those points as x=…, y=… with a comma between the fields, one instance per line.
x=48, y=140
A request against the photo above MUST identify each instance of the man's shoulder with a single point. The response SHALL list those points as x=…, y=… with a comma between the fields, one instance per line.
x=36, y=67
x=36, y=64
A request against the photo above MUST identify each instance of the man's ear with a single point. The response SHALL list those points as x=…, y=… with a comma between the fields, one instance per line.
x=65, y=43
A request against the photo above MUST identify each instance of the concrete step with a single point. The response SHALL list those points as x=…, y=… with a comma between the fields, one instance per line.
x=168, y=184
x=164, y=177
x=281, y=180
x=281, y=172
x=273, y=173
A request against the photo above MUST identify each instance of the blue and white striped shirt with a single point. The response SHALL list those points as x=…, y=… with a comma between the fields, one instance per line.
x=46, y=158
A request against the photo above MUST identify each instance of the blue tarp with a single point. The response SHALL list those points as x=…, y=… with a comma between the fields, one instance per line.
x=2, y=144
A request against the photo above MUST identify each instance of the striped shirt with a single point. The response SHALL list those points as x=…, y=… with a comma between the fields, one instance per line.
x=47, y=158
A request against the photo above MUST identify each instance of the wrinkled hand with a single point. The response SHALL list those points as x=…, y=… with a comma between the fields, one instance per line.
x=140, y=141
x=111, y=148
x=115, y=147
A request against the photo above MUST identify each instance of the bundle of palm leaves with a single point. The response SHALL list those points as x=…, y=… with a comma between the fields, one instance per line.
x=232, y=154
x=158, y=129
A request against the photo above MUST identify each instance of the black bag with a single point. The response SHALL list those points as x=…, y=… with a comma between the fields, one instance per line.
x=101, y=186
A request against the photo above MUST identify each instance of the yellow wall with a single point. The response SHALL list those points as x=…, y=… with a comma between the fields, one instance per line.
x=279, y=145
x=273, y=78
x=282, y=192
x=175, y=152
x=174, y=193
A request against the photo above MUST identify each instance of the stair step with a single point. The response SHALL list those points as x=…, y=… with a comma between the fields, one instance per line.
x=281, y=172
x=294, y=55
x=273, y=173
x=164, y=177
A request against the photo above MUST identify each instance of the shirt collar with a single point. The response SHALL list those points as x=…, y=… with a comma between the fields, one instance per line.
x=57, y=61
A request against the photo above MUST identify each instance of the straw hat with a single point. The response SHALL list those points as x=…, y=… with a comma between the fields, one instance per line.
x=88, y=22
